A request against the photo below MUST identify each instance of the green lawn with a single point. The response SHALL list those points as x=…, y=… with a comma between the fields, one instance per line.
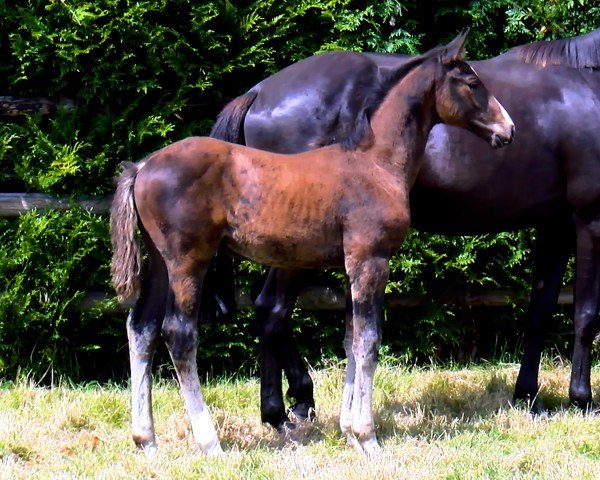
x=433, y=424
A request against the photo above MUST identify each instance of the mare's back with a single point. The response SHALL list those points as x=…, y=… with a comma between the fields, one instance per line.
x=311, y=103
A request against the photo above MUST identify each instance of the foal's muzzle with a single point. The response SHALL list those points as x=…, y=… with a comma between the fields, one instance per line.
x=497, y=140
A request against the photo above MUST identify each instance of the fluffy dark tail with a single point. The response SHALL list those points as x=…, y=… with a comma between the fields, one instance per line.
x=126, y=265
x=229, y=122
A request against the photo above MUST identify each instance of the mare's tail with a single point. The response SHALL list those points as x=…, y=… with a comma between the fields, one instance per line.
x=229, y=122
x=218, y=290
x=127, y=258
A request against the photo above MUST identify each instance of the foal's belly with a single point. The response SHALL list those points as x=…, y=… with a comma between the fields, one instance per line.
x=288, y=249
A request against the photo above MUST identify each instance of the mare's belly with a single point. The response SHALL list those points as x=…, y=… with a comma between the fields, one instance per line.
x=465, y=213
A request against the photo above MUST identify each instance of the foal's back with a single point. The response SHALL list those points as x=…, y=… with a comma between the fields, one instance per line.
x=282, y=210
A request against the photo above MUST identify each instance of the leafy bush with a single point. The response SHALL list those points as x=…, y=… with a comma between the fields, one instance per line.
x=143, y=74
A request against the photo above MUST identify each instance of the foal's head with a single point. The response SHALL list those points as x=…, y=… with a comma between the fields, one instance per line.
x=463, y=100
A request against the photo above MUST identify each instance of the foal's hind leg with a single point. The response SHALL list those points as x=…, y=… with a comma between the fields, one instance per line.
x=180, y=331
x=552, y=252
x=143, y=329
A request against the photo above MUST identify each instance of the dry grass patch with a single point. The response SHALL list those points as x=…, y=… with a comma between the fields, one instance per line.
x=433, y=423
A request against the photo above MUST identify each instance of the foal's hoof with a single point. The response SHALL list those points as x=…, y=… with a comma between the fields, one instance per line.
x=145, y=445
x=369, y=447
x=149, y=448
x=214, y=450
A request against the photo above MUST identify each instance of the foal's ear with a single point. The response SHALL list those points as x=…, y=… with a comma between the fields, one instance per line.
x=456, y=49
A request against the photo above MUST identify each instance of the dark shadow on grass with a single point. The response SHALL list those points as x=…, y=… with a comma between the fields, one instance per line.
x=268, y=438
x=445, y=408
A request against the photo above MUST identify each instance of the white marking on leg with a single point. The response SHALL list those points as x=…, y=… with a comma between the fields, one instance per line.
x=363, y=423
x=203, y=429
x=140, y=359
x=348, y=392
x=367, y=283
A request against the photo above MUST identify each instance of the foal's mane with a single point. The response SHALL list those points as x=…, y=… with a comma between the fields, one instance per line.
x=576, y=52
x=376, y=93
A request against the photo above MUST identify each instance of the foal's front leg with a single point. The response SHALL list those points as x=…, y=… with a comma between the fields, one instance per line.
x=348, y=392
x=367, y=287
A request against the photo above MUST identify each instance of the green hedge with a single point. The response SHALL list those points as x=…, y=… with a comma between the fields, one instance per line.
x=146, y=73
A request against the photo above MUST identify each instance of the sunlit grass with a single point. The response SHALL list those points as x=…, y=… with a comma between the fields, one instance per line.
x=453, y=423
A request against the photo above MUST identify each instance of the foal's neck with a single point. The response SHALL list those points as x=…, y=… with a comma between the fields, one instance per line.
x=402, y=123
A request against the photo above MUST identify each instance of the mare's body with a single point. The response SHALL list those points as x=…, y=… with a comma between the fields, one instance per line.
x=285, y=211
x=548, y=180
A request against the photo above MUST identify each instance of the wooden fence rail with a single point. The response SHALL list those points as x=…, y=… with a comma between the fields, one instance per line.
x=329, y=299
x=312, y=298
x=15, y=204
x=11, y=106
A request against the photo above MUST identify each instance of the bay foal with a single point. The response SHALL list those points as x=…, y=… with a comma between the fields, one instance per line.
x=344, y=205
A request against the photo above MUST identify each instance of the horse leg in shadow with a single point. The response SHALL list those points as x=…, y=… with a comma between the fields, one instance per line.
x=218, y=301
x=587, y=298
x=278, y=351
x=551, y=254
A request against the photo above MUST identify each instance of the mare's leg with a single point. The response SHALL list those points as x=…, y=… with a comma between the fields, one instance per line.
x=278, y=351
x=180, y=331
x=367, y=278
x=143, y=330
x=218, y=291
x=587, y=298
x=552, y=252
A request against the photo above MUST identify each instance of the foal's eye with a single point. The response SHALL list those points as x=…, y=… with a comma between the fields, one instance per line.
x=473, y=85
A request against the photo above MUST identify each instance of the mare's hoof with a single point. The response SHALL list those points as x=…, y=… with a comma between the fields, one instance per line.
x=301, y=412
x=537, y=409
x=535, y=406
x=276, y=419
x=589, y=408
x=286, y=427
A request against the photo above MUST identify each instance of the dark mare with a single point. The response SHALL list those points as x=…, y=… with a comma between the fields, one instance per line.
x=338, y=206
x=548, y=180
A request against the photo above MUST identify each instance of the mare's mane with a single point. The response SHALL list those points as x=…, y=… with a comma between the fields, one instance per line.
x=576, y=52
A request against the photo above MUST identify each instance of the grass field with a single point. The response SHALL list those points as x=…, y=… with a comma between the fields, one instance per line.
x=432, y=423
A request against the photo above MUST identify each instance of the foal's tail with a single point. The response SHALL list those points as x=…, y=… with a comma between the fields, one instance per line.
x=229, y=122
x=126, y=265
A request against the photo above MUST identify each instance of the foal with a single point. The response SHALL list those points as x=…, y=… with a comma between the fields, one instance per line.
x=338, y=206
